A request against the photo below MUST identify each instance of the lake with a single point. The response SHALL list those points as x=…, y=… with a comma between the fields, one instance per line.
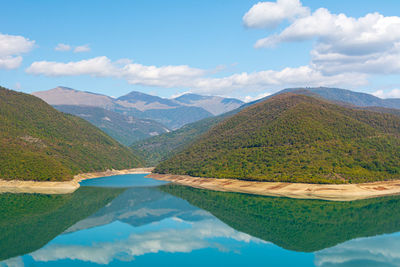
x=129, y=220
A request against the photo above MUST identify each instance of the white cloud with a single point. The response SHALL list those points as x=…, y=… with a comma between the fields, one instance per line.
x=11, y=47
x=369, y=44
x=82, y=48
x=62, y=47
x=259, y=81
x=164, y=76
x=394, y=93
x=198, y=80
x=270, y=14
x=254, y=98
x=10, y=62
x=78, y=49
x=98, y=66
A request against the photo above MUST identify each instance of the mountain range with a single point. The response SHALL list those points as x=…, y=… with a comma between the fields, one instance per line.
x=173, y=113
x=295, y=138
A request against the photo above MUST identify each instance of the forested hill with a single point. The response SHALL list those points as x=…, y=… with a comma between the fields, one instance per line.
x=296, y=138
x=38, y=142
x=157, y=148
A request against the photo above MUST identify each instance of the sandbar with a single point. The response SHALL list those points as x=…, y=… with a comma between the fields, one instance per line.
x=334, y=192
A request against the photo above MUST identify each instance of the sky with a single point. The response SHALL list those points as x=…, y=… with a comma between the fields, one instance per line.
x=236, y=48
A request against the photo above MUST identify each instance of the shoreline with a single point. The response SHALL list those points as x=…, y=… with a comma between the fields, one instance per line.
x=65, y=187
x=333, y=192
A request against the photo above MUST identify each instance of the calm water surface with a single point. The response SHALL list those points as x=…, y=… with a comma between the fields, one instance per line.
x=129, y=220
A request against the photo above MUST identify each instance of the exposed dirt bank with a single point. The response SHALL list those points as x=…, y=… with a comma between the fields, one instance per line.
x=342, y=192
x=17, y=186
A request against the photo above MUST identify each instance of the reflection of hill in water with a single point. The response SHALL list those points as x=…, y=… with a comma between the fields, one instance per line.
x=299, y=225
x=139, y=206
x=29, y=221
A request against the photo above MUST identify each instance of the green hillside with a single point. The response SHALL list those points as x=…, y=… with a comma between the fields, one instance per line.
x=296, y=224
x=38, y=142
x=295, y=138
x=158, y=148
x=125, y=129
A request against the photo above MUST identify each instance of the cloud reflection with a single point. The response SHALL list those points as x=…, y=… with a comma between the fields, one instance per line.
x=373, y=251
x=165, y=240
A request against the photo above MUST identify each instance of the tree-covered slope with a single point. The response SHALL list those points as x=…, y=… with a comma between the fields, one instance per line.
x=296, y=224
x=158, y=148
x=125, y=129
x=295, y=138
x=38, y=142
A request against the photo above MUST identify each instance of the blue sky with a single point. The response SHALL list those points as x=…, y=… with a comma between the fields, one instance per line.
x=170, y=47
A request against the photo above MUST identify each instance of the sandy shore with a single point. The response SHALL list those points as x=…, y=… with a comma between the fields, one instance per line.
x=342, y=192
x=16, y=186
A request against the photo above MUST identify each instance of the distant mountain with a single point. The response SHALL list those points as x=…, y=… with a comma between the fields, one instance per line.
x=37, y=142
x=142, y=101
x=295, y=138
x=346, y=96
x=67, y=96
x=123, y=128
x=168, y=112
x=214, y=104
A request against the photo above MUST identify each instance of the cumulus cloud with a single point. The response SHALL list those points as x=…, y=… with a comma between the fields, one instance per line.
x=62, y=47
x=82, y=48
x=198, y=80
x=154, y=241
x=369, y=44
x=271, y=14
x=11, y=48
x=164, y=76
x=259, y=81
x=394, y=93
x=98, y=66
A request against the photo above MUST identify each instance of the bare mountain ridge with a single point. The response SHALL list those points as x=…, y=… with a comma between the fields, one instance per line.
x=173, y=113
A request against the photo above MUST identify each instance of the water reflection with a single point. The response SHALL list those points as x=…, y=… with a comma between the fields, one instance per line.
x=170, y=237
x=171, y=225
x=376, y=251
x=29, y=221
x=298, y=225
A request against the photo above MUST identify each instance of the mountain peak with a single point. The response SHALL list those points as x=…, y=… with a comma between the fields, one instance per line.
x=214, y=104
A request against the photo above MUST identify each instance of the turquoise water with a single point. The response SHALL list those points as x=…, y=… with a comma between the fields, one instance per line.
x=129, y=220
